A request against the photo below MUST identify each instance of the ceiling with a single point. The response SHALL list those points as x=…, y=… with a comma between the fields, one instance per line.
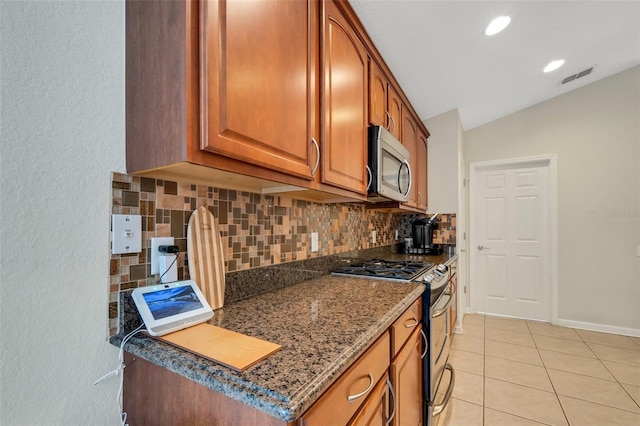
x=441, y=58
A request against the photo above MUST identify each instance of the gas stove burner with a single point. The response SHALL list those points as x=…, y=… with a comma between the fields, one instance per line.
x=399, y=270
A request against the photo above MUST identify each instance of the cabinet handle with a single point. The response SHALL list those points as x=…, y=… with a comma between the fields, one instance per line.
x=415, y=322
x=370, y=177
x=393, y=397
x=315, y=168
x=426, y=345
x=419, y=198
x=352, y=398
x=391, y=121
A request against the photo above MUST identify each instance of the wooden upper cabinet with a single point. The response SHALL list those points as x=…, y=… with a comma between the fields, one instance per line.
x=377, y=96
x=421, y=178
x=258, y=82
x=409, y=140
x=394, y=107
x=344, y=136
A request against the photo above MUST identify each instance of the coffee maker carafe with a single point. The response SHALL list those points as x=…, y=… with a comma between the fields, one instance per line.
x=422, y=230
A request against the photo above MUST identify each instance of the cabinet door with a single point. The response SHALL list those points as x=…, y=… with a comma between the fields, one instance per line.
x=421, y=175
x=406, y=378
x=258, y=82
x=377, y=96
x=409, y=140
x=344, y=139
x=375, y=411
x=394, y=106
x=345, y=397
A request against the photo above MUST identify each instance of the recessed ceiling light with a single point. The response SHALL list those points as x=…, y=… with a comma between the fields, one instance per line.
x=554, y=65
x=497, y=25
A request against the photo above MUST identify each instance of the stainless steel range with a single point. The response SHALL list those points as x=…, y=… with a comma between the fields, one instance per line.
x=436, y=310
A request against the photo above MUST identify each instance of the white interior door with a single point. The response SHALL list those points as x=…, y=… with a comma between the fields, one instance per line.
x=510, y=247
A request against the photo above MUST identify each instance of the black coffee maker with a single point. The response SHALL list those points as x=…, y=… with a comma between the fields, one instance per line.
x=422, y=230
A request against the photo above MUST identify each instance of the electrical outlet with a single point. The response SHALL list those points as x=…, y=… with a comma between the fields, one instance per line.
x=155, y=254
x=314, y=242
x=397, y=234
x=373, y=237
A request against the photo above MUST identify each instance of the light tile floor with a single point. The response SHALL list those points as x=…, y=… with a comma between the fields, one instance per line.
x=512, y=372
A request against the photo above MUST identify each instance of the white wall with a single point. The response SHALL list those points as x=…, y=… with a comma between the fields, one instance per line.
x=62, y=129
x=442, y=166
x=595, y=133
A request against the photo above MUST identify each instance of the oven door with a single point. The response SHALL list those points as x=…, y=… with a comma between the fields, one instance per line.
x=440, y=333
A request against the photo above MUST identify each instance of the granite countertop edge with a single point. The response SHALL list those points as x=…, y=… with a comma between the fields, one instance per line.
x=226, y=381
x=300, y=403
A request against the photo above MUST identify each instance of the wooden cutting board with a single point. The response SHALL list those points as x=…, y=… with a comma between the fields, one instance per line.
x=226, y=347
x=206, y=256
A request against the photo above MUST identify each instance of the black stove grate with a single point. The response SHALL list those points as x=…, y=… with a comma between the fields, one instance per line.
x=385, y=269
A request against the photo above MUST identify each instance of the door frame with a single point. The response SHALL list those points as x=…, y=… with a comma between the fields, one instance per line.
x=550, y=162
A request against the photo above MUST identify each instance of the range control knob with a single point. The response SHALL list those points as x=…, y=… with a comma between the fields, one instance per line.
x=427, y=278
x=442, y=268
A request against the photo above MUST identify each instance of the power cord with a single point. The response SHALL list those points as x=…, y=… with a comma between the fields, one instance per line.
x=119, y=372
x=165, y=272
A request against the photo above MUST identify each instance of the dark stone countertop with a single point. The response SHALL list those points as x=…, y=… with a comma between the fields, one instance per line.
x=323, y=324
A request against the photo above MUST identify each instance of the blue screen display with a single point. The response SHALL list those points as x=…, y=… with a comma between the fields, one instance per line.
x=172, y=301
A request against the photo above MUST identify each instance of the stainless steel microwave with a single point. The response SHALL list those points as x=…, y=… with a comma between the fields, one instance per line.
x=389, y=169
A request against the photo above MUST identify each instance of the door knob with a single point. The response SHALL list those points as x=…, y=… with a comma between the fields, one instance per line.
x=481, y=247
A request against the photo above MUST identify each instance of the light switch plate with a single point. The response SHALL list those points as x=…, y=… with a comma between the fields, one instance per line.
x=373, y=237
x=314, y=242
x=155, y=254
x=127, y=233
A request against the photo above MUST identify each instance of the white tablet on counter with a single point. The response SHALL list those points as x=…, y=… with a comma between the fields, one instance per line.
x=170, y=307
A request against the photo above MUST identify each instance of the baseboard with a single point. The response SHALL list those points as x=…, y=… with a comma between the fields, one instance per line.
x=600, y=327
x=623, y=331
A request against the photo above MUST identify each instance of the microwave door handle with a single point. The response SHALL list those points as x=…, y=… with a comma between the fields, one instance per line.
x=404, y=163
x=370, y=177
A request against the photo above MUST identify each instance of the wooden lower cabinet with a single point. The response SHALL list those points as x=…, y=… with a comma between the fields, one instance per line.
x=406, y=378
x=376, y=410
x=156, y=396
x=345, y=397
x=362, y=395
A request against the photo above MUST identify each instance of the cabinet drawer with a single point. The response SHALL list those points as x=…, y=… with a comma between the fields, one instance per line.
x=334, y=407
x=404, y=326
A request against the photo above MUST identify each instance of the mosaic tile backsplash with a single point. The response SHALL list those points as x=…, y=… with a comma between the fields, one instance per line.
x=257, y=230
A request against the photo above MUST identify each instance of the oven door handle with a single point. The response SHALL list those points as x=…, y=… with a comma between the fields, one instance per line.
x=437, y=409
x=439, y=312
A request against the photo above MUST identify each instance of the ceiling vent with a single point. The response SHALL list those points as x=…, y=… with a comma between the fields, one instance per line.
x=577, y=75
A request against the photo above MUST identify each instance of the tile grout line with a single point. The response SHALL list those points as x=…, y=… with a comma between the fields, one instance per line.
x=484, y=369
x=549, y=377
x=546, y=368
